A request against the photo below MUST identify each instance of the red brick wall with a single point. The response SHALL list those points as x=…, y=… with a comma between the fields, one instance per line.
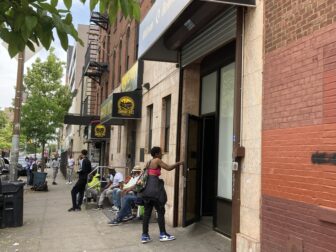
x=299, y=119
x=290, y=20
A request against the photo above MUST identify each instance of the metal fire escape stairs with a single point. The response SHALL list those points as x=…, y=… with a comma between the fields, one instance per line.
x=93, y=65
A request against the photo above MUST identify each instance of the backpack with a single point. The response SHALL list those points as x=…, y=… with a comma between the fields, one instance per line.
x=142, y=181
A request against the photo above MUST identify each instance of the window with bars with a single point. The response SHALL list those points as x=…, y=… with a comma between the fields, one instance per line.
x=166, y=121
x=119, y=140
x=149, y=126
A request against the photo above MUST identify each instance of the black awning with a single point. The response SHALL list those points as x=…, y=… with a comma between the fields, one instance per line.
x=77, y=119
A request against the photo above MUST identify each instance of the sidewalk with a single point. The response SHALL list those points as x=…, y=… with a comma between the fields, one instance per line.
x=49, y=227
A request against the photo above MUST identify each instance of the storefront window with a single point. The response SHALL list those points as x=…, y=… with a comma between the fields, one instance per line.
x=226, y=131
x=209, y=93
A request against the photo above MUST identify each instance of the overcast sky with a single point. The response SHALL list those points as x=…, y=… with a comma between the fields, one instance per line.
x=8, y=66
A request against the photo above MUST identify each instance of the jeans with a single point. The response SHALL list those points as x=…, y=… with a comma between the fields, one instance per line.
x=70, y=173
x=126, y=209
x=160, y=208
x=55, y=171
x=106, y=193
x=116, y=197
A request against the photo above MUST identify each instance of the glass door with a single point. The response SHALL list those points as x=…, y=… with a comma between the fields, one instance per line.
x=223, y=221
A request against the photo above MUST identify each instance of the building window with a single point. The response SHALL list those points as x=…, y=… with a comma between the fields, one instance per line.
x=149, y=127
x=119, y=68
x=113, y=70
x=166, y=121
x=119, y=140
x=127, y=48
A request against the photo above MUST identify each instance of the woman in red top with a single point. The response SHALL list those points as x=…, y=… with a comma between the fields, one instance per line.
x=154, y=195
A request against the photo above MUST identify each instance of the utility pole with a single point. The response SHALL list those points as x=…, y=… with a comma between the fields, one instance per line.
x=14, y=155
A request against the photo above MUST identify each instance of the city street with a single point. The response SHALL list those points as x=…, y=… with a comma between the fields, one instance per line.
x=48, y=226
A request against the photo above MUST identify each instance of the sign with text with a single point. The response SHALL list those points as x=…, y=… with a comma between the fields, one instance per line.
x=100, y=131
x=157, y=21
x=106, y=110
x=127, y=105
x=251, y=3
x=130, y=80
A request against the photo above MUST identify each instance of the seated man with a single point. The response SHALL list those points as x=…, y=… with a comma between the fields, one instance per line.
x=115, y=182
x=128, y=199
x=93, y=187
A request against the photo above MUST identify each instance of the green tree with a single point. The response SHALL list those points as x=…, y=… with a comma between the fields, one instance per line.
x=5, y=132
x=47, y=100
x=24, y=22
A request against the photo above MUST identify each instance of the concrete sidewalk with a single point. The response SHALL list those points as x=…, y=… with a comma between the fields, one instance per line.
x=48, y=226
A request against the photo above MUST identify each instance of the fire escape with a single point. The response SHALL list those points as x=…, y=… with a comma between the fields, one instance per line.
x=94, y=67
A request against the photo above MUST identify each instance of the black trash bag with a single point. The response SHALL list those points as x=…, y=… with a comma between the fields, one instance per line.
x=40, y=187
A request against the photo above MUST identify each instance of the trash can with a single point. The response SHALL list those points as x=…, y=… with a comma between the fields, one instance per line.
x=13, y=204
x=39, y=178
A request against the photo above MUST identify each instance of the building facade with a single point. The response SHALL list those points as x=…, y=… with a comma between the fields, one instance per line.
x=299, y=123
x=72, y=134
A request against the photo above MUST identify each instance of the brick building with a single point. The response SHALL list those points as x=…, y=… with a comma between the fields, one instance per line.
x=299, y=126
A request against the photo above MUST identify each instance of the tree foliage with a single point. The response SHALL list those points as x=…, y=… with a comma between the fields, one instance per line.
x=25, y=22
x=47, y=100
x=5, y=132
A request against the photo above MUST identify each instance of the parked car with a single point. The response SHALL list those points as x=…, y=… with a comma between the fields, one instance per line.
x=21, y=169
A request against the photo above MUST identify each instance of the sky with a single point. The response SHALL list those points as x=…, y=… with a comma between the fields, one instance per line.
x=8, y=66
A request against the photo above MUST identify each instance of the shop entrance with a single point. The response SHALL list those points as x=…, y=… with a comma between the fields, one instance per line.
x=209, y=145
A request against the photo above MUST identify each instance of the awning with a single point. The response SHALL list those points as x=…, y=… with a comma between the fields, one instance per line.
x=77, y=119
x=172, y=23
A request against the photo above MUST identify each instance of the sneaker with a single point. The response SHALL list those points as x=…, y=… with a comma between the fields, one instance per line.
x=71, y=209
x=128, y=218
x=166, y=237
x=54, y=183
x=78, y=209
x=98, y=208
x=66, y=183
x=145, y=238
x=114, y=222
x=70, y=182
x=115, y=209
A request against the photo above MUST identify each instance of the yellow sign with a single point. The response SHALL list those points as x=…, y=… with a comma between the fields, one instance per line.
x=100, y=130
x=129, y=80
x=126, y=106
x=106, y=109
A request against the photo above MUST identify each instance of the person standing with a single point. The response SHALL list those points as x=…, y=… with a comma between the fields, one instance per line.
x=71, y=165
x=79, y=187
x=154, y=195
x=55, y=164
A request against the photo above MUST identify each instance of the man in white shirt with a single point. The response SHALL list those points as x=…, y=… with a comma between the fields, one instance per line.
x=116, y=181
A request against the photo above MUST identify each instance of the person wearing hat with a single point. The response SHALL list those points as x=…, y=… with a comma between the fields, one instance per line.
x=128, y=198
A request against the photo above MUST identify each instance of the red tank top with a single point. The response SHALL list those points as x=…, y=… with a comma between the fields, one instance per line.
x=154, y=171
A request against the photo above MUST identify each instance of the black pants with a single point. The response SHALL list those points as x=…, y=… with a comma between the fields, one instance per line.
x=160, y=208
x=78, y=188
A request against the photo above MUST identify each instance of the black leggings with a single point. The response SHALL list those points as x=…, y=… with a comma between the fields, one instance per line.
x=160, y=208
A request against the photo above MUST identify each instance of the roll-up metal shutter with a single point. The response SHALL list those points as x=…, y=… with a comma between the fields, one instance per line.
x=219, y=33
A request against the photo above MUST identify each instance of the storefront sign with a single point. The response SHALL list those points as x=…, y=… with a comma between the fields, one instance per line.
x=106, y=110
x=100, y=131
x=157, y=21
x=132, y=78
x=235, y=2
x=127, y=105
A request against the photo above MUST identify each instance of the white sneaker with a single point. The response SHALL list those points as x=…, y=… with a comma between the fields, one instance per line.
x=67, y=183
x=115, y=209
x=70, y=183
